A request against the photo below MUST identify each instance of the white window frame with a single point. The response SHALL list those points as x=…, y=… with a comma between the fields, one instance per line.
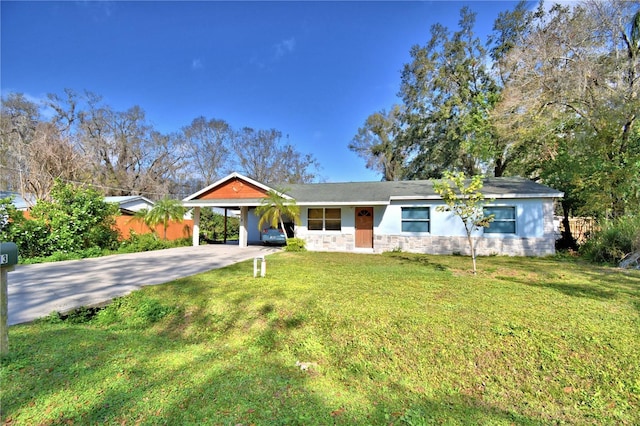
x=413, y=220
x=324, y=219
x=514, y=220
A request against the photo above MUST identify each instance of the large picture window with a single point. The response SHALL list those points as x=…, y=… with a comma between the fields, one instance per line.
x=324, y=220
x=504, y=220
x=415, y=219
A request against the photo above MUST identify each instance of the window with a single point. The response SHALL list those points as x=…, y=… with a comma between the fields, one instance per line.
x=324, y=219
x=332, y=220
x=316, y=219
x=504, y=220
x=415, y=219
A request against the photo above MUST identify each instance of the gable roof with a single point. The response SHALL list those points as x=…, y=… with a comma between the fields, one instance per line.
x=130, y=203
x=261, y=187
x=360, y=193
x=127, y=199
x=382, y=193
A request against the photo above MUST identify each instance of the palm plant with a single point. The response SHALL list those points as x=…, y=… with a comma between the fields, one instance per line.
x=163, y=212
x=274, y=207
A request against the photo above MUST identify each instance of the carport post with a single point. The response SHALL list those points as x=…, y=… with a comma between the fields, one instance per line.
x=244, y=217
x=196, y=226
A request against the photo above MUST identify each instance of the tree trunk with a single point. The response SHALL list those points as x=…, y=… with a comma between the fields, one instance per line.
x=286, y=238
x=473, y=252
x=567, y=241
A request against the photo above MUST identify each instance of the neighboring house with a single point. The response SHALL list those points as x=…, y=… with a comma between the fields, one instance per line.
x=383, y=216
x=131, y=204
x=21, y=203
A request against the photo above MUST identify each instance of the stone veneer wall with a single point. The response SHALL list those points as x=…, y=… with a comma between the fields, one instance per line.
x=450, y=245
x=437, y=245
x=336, y=242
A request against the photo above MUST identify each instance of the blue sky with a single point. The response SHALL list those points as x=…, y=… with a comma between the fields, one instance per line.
x=313, y=70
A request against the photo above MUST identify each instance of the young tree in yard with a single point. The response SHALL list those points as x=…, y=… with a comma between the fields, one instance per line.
x=274, y=207
x=163, y=212
x=465, y=201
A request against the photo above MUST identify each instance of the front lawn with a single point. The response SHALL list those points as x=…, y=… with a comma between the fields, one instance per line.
x=379, y=339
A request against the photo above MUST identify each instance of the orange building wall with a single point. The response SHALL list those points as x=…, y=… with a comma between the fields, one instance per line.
x=175, y=231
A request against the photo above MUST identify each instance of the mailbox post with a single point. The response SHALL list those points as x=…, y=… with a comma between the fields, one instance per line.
x=8, y=260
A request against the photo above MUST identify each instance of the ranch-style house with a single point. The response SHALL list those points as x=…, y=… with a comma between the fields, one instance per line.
x=382, y=216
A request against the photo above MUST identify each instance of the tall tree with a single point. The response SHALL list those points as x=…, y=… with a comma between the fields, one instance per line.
x=127, y=155
x=19, y=118
x=572, y=90
x=209, y=143
x=262, y=156
x=50, y=156
x=447, y=92
x=376, y=142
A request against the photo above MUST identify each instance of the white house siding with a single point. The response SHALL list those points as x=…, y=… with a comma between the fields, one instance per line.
x=534, y=231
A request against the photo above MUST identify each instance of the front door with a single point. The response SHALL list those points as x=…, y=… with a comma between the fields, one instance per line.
x=364, y=227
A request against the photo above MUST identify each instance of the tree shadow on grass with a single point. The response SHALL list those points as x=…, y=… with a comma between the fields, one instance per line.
x=131, y=378
x=575, y=279
x=190, y=369
x=419, y=259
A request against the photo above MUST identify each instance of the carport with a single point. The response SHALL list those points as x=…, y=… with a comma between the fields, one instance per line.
x=234, y=192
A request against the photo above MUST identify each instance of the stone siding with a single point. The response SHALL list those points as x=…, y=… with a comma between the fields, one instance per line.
x=437, y=244
x=460, y=245
x=329, y=242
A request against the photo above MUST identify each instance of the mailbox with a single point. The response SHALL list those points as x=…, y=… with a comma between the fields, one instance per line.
x=8, y=254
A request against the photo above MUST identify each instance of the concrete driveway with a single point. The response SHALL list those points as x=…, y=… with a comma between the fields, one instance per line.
x=37, y=290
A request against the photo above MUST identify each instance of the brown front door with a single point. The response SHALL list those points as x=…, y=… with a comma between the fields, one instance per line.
x=364, y=227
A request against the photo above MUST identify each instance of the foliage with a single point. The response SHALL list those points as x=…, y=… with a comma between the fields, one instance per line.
x=75, y=220
x=210, y=143
x=212, y=225
x=276, y=206
x=376, y=143
x=295, y=245
x=163, y=211
x=576, y=100
x=134, y=311
x=447, y=92
x=78, y=138
x=615, y=239
x=148, y=242
x=261, y=155
x=466, y=201
x=551, y=95
x=540, y=341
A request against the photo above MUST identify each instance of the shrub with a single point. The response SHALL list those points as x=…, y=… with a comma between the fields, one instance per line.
x=295, y=244
x=613, y=241
x=143, y=242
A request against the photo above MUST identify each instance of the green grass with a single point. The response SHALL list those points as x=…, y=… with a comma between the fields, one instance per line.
x=395, y=338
